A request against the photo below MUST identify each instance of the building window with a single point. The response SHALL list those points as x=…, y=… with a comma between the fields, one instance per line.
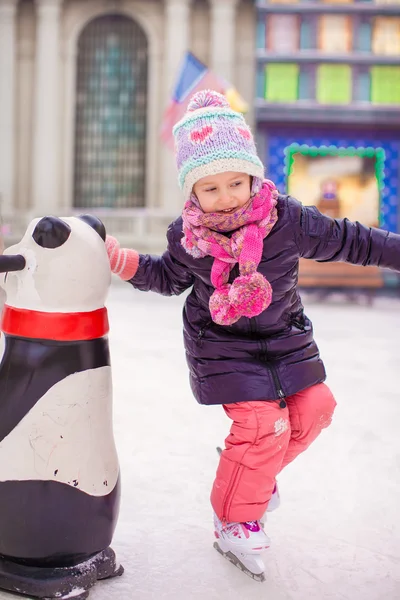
x=281, y=82
x=260, y=82
x=362, y=84
x=386, y=36
x=335, y=33
x=363, y=39
x=385, y=85
x=111, y=105
x=283, y=33
x=306, y=83
x=334, y=84
x=261, y=33
x=307, y=36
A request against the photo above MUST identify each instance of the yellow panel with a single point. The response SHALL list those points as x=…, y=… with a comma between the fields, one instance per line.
x=335, y=34
x=386, y=36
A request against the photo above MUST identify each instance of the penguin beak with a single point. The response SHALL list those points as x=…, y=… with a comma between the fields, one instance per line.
x=12, y=262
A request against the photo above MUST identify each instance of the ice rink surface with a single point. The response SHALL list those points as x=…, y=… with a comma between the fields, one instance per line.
x=336, y=535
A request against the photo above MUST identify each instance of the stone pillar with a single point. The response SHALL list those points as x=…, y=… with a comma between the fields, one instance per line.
x=177, y=17
x=223, y=26
x=7, y=105
x=177, y=13
x=46, y=133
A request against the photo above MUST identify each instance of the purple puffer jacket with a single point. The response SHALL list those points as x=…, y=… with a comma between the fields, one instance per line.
x=273, y=355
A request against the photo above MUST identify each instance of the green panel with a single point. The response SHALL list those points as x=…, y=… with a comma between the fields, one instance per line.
x=281, y=82
x=385, y=85
x=334, y=84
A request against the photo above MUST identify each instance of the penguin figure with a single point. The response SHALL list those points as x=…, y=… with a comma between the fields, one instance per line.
x=59, y=470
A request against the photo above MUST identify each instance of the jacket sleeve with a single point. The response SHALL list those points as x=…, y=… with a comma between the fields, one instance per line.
x=332, y=240
x=164, y=274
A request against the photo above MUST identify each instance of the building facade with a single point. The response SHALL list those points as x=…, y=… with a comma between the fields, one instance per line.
x=83, y=87
x=328, y=104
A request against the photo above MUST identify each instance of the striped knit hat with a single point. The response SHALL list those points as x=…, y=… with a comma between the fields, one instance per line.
x=212, y=138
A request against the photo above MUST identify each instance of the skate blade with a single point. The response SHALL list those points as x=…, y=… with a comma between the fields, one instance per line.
x=82, y=596
x=235, y=561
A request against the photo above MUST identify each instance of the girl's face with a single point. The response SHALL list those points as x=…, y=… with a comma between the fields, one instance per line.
x=224, y=192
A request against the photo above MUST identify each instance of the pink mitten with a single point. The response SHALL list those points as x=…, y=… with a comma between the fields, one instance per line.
x=123, y=261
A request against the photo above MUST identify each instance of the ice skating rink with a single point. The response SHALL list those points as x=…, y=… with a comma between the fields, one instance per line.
x=336, y=535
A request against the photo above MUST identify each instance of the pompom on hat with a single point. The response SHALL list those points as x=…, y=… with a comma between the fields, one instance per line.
x=212, y=138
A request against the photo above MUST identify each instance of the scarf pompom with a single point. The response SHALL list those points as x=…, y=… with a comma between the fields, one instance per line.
x=248, y=296
x=221, y=309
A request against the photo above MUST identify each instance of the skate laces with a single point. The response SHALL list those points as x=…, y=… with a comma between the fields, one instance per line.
x=253, y=526
x=238, y=529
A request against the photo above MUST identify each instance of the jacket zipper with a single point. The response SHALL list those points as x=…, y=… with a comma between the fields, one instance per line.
x=252, y=326
x=298, y=325
x=277, y=382
x=202, y=331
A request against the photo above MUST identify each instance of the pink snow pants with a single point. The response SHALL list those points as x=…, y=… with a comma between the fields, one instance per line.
x=263, y=439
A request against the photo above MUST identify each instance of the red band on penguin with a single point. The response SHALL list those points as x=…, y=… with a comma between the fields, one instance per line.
x=63, y=327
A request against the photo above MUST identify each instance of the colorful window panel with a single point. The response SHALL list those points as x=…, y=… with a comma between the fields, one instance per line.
x=307, y=33
x=260, y=82
x=261, y=32
x=334, y=84
x=307, y=83
x=386, y=36
x=335, y=33
x=110, y=121
x=281, y=82
x=362, y=84
x=363, y=39
x=385, y=84
x=283, y=33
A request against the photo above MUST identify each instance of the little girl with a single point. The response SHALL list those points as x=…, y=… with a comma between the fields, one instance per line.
x=249, y=345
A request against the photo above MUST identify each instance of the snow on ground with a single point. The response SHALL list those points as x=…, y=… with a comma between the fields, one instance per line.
x=337, y=533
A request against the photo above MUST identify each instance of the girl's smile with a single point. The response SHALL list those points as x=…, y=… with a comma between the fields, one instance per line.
x=224, y=192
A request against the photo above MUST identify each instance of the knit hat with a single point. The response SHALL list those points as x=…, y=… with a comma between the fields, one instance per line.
x=212, y=138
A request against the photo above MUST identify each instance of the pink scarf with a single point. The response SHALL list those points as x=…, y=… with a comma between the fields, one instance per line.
x=250, y=293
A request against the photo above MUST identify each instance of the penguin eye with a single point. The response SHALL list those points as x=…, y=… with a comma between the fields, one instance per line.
x=95, y=224
x=51, y=232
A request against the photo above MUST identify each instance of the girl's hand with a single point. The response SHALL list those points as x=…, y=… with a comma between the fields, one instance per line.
x=124, y=262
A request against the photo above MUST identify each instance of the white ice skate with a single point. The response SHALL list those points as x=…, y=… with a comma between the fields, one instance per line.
x=242, y=544
x=275, y=500
x=273, y=504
